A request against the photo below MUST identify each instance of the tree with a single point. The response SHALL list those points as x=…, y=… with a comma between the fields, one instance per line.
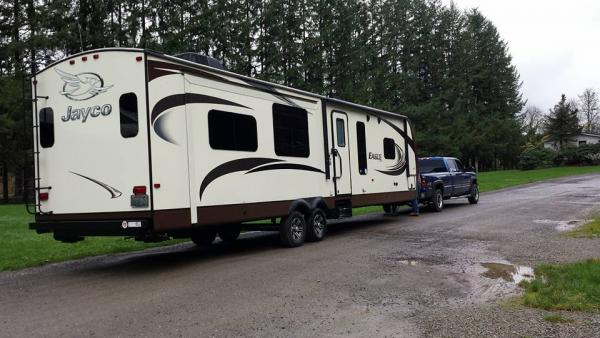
x=589, y=103
x=532, y=124
x=563, y=123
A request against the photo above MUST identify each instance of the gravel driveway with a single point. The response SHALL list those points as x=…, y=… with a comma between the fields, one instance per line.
x=373, y=276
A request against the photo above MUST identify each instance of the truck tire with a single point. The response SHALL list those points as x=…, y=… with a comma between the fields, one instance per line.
x=204, y=237
x=474, y=197
x=437, y=200
x=292, y=230
x=316, y=226
x=230, y=233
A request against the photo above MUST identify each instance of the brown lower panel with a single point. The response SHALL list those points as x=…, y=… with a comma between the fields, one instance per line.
x=95, y=216
x=172, y=219
x=383, y=198
x=220, y=214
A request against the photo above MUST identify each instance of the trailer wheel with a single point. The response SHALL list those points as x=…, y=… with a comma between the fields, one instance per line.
x=316, y=225
x=292, y=230
x=437, y=200
x=229, y=233
x=474, y=197
x=204, y=237
x=391, y=209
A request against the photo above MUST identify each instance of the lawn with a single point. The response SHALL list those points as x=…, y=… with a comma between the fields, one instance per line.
x=574, y=286
x=588, y=230
x=21, y=247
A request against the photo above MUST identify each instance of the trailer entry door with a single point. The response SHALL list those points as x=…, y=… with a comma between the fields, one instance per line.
x=341, y=153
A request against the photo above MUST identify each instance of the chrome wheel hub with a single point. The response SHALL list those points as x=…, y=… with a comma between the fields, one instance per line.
x=297, y=229
x=318, y=224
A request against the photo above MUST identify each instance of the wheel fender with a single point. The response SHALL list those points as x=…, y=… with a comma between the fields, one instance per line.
x=301, y=205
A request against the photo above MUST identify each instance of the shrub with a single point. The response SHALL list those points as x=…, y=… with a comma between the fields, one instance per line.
x=585, y=154
x=536, y=158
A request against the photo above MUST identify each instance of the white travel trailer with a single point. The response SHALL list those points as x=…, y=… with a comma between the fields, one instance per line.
x=131, y=142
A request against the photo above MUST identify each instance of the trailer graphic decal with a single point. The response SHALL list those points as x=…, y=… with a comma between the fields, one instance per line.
x=114, y=193
x=250, y=165
x=400, y=165
x=177, y=100
x=82, y=86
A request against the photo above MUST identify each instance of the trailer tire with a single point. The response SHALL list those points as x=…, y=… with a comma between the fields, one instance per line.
x=292, y=230
x=392, y=209
x=437, y=200
x=204, y=237
x=316, y=226
x=229, y=234
x=474, y=196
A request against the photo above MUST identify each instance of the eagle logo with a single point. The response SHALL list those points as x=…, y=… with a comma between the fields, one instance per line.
x=82, y=86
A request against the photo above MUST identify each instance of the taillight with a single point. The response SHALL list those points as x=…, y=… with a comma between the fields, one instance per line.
x=424, y=183
x=139, y=190
x=43, y=196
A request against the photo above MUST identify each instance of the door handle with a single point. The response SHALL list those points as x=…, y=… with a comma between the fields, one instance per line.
x=335, y=154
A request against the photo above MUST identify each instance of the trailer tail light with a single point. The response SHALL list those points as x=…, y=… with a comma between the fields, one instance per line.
x=139, y=199
x=139, y=190
x=43, y=196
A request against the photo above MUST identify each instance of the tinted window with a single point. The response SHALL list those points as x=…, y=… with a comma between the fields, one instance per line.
x=231, y=131
x=46, y=127
x=290, y=131
x=389, y=149
x=128, y=108
x=340, y=132
x=361, y=146
x=452, y=165
x=459, y=165
x=432, y=166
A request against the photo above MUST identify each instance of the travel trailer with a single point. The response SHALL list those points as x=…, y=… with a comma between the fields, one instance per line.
x=131, y=142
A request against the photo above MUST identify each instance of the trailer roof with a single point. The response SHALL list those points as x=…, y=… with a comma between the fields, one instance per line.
x=228, y=73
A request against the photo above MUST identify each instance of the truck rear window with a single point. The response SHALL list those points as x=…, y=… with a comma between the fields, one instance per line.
x=432, y=166
x=46, y=127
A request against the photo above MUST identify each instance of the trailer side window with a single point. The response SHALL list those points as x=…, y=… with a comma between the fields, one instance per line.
x=290, y=131
x=231, y=131
x=340, y=131
x=389, y=151
x=46, y=127
x=128, y=106
x=361, y=146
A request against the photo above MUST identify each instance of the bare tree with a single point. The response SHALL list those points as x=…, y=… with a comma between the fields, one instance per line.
x=589, y=105
x=532, y=121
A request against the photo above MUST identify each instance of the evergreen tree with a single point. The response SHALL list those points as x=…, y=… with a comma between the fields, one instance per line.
x=562, y=123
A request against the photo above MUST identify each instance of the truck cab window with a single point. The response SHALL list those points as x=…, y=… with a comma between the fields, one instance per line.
x=389, y=149
x=128, y=108
x=459, y=166
x=46, y=127
x=231, y=131
x=290, y=131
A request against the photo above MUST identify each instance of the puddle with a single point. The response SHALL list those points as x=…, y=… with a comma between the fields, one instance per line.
x=409, y=262
x=508, y=272
x=562, y=225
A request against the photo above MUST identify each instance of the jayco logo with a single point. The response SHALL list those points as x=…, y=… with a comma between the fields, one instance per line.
x=83, y=113
x=82, y=86
x=373, y=156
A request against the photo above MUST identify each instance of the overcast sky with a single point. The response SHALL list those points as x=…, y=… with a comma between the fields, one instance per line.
x=555, y=44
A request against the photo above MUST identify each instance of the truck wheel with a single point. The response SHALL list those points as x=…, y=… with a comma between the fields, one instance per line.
x=229, y=233
x=292, y=230
x=474, y=197
x=316, y=225
x=437, y=200
x=204, y=237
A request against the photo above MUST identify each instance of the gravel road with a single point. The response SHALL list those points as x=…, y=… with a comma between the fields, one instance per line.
x=374, y=276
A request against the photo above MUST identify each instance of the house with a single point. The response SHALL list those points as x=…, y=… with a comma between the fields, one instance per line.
x=583, y=138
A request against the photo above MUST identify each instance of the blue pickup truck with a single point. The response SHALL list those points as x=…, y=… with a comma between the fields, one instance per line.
x=443, y=178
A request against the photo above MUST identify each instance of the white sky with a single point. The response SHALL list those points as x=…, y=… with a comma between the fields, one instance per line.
x=555, y=44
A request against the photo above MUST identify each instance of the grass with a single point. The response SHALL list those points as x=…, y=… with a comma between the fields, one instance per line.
x=588, y=230
x=21, y=247
x=501, y=179
x=572, y=287
x=556, y=318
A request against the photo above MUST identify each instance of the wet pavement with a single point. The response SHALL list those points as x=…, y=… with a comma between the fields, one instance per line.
x=444, y=274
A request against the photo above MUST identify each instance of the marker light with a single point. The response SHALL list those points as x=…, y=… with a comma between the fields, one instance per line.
x=43, y=196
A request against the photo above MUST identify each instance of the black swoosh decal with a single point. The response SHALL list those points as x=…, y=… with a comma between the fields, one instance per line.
x=277, y=166
x=399, y=167
x=233, y=166
x=114, y=193
x=183, y=99
x=407, y=139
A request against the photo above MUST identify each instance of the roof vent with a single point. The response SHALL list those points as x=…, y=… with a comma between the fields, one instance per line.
x=201, y=59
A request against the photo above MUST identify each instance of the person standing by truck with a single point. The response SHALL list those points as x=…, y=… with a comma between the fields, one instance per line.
x=415, y=203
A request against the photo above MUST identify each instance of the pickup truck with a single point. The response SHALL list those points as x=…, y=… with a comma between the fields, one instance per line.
x=443, y=178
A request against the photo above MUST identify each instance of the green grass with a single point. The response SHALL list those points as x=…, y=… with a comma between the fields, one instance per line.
x=21, y=247
x=556, y=318
x=501, y=179
x=573, y=287
x=588, y=230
